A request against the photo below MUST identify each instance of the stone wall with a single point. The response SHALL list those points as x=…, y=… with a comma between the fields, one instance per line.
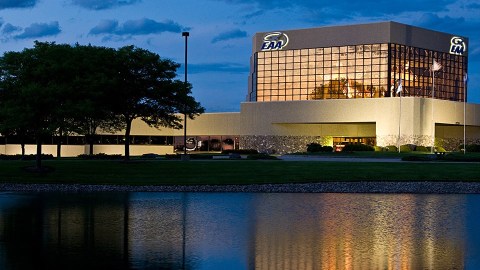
x=423, y=140
x=295, y=144
x=453, y=144
x=282, y=144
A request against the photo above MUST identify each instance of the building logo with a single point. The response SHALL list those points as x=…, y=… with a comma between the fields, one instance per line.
x=457, y=46
x=274, y=41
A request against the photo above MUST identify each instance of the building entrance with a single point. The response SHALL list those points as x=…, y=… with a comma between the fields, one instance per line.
x=340, y=142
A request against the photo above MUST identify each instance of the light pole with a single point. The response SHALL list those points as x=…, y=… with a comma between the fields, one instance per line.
x=185, y=157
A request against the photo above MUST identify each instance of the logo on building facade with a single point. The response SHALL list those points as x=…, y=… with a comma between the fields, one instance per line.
x=457, y=46
x=274, y=41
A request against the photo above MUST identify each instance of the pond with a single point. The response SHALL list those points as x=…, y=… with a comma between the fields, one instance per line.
x=107, y=230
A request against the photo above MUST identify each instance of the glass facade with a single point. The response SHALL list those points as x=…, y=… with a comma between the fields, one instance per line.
x=356, y=71
x=208, y=143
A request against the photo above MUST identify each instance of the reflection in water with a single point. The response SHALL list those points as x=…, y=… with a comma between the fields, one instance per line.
x=237, y=231
x=345, y=231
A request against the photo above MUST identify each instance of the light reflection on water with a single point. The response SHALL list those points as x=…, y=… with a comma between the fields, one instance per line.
x=345, y=231
x=238, y=231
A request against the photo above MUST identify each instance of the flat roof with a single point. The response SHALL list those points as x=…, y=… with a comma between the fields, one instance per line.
x=371, y=33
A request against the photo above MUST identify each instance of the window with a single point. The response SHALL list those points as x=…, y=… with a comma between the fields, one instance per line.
x=363, y=69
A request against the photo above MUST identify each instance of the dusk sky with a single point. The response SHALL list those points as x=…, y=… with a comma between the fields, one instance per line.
x=221, y=31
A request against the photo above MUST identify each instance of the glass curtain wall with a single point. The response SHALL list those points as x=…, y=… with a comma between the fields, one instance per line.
x=357, y=71
x=414, y=67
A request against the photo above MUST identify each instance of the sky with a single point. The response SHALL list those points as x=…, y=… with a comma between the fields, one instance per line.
x=221, y=31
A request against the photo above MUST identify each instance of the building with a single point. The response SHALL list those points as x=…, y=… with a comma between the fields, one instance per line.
x=339, y=84
x=380, y=84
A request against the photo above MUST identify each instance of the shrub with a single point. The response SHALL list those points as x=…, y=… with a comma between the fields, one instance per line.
x=172, y=157
x=473, y=148
x=391, y=148
x=190, y=156
x=421, y=148
x=405, y=148
x=240, y=151
x=358, y=147
x=314, y=148
x=461, y=158
x=378, y=148
x=150, y=156
x=440, y=149
x=327, y=148
x=25, y=157
x=101, y=156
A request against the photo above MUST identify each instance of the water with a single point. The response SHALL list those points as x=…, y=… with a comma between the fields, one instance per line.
x=238, y=231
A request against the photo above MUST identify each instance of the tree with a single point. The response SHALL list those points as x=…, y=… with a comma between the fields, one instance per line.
x=34, y=83
x=59, y=89
x=10, y=126
x=146, y=88
x=94, y=86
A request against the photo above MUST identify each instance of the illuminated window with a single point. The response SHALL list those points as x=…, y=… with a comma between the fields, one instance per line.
x=356, y=71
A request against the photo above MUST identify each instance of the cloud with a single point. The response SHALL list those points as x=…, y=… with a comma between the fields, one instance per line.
x=105, y=26
x=433, y=21
x=472, y=6
x=103, y=4
x=216, y=67
x=475, y=52
x=4, y=4
x=346, y=9
x=137, y=27
x=257, y=13
x=149, y=26
x=232, y=34
x=115, y=38
x=459, y=26
x=9, y=29
x=37, y=30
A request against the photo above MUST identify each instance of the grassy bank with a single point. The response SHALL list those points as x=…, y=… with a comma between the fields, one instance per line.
x=163, y=172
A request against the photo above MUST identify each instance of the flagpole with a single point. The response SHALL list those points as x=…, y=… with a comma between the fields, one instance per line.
x=465, y=80
x=399, y=92
x=399, y=121
x=433, y=97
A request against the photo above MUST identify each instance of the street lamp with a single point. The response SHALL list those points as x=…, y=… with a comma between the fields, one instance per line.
x=185, y=157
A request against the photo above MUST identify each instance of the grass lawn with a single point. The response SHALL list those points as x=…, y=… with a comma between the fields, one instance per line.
x=214, y=172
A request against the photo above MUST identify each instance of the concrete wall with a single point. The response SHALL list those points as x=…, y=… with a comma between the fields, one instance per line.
x=380, y=118
x=208, y=124
x=288, y=126
x=205, y=124
x=75, y=150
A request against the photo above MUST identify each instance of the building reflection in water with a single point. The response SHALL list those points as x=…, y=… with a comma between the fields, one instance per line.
x=241, y=231
x=345, y=231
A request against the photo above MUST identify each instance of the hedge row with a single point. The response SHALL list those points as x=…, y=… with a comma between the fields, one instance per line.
x=473, y=148
x=25, y=157
x=358, y=147
x=411, y=148
x=240, y=151
x=316, y=148
x=100, y=156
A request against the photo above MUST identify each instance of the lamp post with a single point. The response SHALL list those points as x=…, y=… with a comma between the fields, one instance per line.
x=185, y=157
